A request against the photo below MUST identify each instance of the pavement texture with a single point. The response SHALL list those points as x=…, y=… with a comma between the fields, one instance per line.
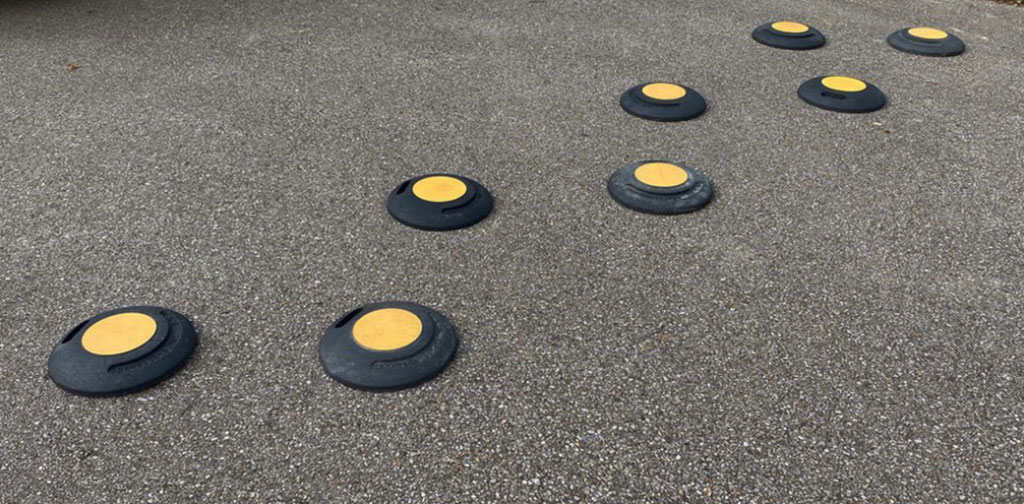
x=841, y=324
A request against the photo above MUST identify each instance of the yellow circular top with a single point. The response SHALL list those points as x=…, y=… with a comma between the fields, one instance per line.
x=439, y=188
x=924, y=32
x=661, y=174
x=663, y=91
x=790, y=27
x=119, y=333
x=387, y=329
x=844, y=84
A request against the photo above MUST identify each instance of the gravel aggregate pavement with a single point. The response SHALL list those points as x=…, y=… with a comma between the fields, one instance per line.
x=841, y=324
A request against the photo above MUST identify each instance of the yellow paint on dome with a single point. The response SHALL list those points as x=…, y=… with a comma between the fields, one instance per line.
x=664, y=91
x=924, y=32
x=790, y=27
x=660, y=174
x=439, y=188
x=119, y=333
x=387, y=329
x=844, y=84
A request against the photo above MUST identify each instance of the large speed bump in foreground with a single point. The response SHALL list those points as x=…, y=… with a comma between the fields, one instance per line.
x=660, y=187
x=663, y=101
x=789, y=35
x=440, y=202
x=122, y=351
x=388, y=346
x=927, y=41
x=842, y=94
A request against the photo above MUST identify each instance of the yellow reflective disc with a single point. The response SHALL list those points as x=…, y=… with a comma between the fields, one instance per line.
x=439, y=188
x=663, y=91
x=661, y=174
x=844, y=84
x=927, y=33
x=790, y=27
x=387, y=329
x=119, y=333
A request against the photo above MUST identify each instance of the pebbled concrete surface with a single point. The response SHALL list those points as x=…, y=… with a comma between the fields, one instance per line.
x=842, y=324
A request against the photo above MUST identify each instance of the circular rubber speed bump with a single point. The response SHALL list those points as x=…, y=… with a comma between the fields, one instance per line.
x=842, y=94
x=440, y=202
x=388, y=346
x=663, y=101
x=789, y=35
x=660, y=187
x=122, y=351
x=926, y=41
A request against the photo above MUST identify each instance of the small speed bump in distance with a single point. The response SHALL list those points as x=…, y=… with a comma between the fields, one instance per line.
x=663, y=101
x=789, y=35
x=122, y=351
x=388, y=346
x=926, y=41
x=660, y=187
x=842, y=94
x=440, y=202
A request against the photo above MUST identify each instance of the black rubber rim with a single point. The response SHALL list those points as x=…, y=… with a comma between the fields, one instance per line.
x=77, y=371
x=904, y=41
x=688, y=107
x=811, y=39
x=815, y=93
x=347, y=362
x=631, y=193
x=472, y=207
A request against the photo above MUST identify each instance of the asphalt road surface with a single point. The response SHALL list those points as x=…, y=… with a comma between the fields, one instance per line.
x=842, y=323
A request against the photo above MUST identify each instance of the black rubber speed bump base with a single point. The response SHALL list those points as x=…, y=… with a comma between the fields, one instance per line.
x=440, y=202
x=388, y=346
x=842, y=94
x=789, y=35
x=663, y=101
x=927, y=42
x=122, y=351
x=660, y=187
